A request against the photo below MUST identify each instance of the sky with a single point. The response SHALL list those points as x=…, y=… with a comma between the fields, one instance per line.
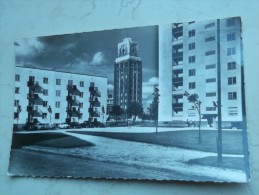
x=92, y=53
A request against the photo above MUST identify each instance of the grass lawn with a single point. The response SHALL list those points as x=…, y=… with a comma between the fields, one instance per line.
x=232, y=140
x=227, y=162
x=64, y=142
x=58, y=140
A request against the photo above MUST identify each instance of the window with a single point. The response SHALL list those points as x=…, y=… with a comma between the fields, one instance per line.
x=210, y=108
x=232, y=80
x=208, y=39
x=232, y=111
x=45, y=80
x=210, y=25
x=210, y=66
x=232, y=95
x=81, y=105
x=191, y=59
x=17, y=90
x=212, y=52
x=192, y=85
x=191, y=22
x=70, y=82
x=211, y=94
x=57, y=115
x=81, y=83
x=81, y=94
x=231, y=65
x=45, y=103
x=16, y=102
x=45, y=92
x=231, y=51
x=192, y=33
x=44, y=115
x=192, y=72
x=17, y=77
x=58, y=93
x=191, y=46
x=231, y=22
x=58, y=81
x=57, y=104
x=231, y=36
x=212, y=80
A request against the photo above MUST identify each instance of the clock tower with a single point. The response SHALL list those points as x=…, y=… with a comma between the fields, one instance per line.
x=127, y=74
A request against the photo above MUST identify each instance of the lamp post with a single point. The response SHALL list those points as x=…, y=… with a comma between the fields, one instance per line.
x=219, y=139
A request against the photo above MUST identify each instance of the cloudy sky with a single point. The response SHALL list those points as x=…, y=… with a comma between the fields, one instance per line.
x=93, y=53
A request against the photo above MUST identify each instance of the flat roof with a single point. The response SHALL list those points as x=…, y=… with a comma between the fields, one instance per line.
x=61, y=71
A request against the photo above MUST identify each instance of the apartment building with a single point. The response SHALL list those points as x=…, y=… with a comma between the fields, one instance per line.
x=194, y=52
x=45, y=96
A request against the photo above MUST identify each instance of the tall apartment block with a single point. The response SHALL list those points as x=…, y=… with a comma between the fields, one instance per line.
x=43, y=96
x=127, y=74
x=189, y=57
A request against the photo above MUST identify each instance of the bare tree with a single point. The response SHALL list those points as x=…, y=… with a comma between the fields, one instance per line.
x=194, y=99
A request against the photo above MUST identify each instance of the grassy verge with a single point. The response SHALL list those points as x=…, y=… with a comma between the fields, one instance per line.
x=227, y=162
x=58, y=140
x=64, y=142
x=232, y=140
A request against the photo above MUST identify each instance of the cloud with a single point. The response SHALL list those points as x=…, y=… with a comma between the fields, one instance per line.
x=98, y=58
x=110, y=87
x=31, y=47
x=69, y=46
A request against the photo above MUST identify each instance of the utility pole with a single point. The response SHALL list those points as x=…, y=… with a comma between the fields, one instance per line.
x=219, y=139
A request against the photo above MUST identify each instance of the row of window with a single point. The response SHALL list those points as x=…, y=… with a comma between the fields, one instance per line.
x=46, y=81
x=230, y=51
x=231, y=80
x=229, y=22
x=230, y=37
x=231, y=66
x=45, y=104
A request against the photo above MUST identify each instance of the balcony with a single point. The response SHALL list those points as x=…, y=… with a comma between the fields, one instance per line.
x=177, y=29
x=94, y=91
x=34, y=110
x=73, y=90
x=177, y=55
x=177, y=79
x=93, y=113
x=71, y=98
x=94, y=102
x=32, y=84
x=177, y=107
x=32, y=96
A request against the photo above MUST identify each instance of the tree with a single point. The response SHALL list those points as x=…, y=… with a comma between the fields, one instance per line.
x=19, y=109
x=135, y=109
x=50, y=112
x=116, y=111
x=103, y=112
x=194, y=99
x=153, y=108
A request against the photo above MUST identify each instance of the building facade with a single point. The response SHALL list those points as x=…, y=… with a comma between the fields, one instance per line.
x=127, y=74
x=43, y=96
x=194, y=52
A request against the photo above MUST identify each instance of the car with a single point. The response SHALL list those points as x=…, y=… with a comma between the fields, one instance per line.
x=75, y=125
x=87, y=124
x=63, y=126
x=40, y=126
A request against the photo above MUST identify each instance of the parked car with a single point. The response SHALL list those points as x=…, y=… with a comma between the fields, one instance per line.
x=75, y=125
x=87, y=124
x=63, y=126
x=44, y=126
